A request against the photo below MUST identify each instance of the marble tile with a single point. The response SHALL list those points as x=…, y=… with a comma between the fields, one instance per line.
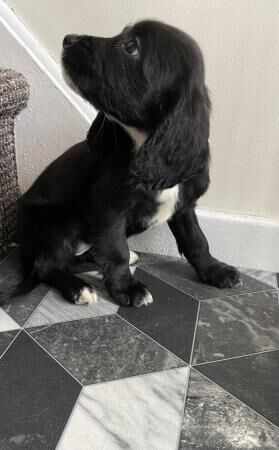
x=153, y=258
x=20, y=307
x=252, y=379
x=235, y=326
x=5, y=339
x=103, y=348
x=5, y=253
x=264, y=276
x=170, y=319
x=182, y=275
x=36, y=396
x=141, y=413
x=54, y=308
x=6, y=322
x=213, y=419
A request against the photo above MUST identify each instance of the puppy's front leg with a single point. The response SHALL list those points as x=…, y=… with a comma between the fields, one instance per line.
x=112, y=256
x=193, y=245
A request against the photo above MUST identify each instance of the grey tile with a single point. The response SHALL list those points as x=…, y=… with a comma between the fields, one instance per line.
x=140, y=413
x=103, y=348
x=36, y=396
x=170, y=319
x=264, y=276
x=235, y=326
x=252, y=379
x=5, y=340
x=54, y=308
x=213, y=419
x=19, y=307
x=181, y=275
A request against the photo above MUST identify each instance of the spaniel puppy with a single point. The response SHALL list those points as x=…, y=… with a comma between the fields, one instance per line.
x=145, y=161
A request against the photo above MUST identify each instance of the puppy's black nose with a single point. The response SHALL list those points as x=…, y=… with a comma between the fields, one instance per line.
x=70, y=39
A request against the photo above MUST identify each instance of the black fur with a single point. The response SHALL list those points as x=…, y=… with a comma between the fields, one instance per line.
x=150, y=77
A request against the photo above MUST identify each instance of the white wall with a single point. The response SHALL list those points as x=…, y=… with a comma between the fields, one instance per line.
x=54, y=118
x=239, y=39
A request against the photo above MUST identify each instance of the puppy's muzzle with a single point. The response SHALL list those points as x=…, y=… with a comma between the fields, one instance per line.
x=70, y=39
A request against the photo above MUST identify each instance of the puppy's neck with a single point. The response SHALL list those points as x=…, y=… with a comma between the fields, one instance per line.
x=137, y=136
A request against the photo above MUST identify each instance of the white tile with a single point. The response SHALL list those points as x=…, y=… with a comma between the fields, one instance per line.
x=140, y=413
x=54, y=308
x=6, y=322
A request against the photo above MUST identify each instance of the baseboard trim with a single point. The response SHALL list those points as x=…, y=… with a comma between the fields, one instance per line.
x=246, y=241
x=43, y=59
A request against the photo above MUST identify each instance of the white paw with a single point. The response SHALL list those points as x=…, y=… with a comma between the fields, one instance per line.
x=147, y=299
x=133, y=258
x=86, y=297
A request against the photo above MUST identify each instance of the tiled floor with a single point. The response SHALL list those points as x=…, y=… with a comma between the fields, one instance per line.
x=197, y=369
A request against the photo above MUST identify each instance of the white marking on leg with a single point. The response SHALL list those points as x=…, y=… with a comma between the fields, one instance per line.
x=86, y=297
x=133, y=258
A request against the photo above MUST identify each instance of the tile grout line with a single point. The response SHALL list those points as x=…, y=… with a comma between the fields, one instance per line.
x=183, y=408
x=9, y=254
x=237, y=295
x=33, y=312
x=236, y=357
x=209, y=298
x=167, y=282
x=52, y=357
x=152, y=339
x=49, y=324
x=235, y=398
x=5, y=351
x=140, y=375
x=194, y=335
x=69, y=418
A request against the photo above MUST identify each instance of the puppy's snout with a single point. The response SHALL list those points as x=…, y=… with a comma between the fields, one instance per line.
x=70, y=39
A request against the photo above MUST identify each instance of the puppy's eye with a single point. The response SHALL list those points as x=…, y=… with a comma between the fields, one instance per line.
x=132, y=48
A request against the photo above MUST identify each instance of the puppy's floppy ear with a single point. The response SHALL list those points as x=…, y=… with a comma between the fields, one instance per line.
x=177, y=150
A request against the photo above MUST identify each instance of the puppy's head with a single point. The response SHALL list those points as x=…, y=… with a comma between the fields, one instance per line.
x=150, y=77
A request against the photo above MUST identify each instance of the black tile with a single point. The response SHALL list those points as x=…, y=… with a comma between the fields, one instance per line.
x=5, y=339
x=103, y=348
x=214, y=419
x=235, y=326
x=252, y=379
x=182, y=275
x=170, y=319
x=20, y=307
x=36, y=396
x=154, y=258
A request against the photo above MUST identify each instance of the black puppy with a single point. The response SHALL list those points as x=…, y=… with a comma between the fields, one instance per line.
x=145, y=161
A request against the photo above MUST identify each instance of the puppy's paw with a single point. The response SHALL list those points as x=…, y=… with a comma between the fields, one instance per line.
x=220, y=275
x=135, y=294
x=87, y=296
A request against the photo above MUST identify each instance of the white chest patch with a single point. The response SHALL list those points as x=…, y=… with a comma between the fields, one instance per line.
x=167, y=200
x=137, y=136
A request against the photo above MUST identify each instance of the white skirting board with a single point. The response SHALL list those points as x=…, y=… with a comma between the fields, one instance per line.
x=245, y=241
x=56, y=118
